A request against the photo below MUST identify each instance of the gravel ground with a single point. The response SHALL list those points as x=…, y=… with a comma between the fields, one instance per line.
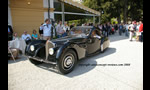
x=120, y=67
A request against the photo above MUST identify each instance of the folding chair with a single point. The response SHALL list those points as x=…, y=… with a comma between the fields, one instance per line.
x=11, y=54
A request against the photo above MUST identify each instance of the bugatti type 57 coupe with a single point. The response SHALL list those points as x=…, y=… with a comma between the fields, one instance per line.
x=81, y=41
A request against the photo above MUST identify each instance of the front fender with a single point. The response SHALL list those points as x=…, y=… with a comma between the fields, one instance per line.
x=40, y=52
x=79, y=50
x=37, y=48
x=62, y=49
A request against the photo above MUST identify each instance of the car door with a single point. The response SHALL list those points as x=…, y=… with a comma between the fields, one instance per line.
x=93, y=44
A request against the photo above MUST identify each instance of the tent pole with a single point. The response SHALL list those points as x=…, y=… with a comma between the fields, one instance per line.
x=48, y=9
x=63, y=15
x=93, y=20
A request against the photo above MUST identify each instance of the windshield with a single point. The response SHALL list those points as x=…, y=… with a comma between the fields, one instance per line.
x=84, y=31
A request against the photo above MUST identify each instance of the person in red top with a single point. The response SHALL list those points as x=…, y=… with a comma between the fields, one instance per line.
x=141, y=27
x=141, y=31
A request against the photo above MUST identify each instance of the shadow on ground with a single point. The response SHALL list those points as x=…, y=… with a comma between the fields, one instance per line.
x=117, y=37
x=79, y=70
x=21, y=58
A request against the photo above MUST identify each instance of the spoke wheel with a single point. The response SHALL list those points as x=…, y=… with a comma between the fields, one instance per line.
x=67, y=62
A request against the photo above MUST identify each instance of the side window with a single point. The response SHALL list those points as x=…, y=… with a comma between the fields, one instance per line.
x=87, y=31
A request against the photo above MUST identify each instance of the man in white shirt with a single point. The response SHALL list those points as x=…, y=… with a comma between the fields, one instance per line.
x=59, y=29
x=46, y=30
x=26, y=37
x=131, y=29
x=66, y=29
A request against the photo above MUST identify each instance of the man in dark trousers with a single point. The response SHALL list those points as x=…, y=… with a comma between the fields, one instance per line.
x=105, y=30
x=120, y=29
x=108, y=29
x=10, y=33
x=116, y=27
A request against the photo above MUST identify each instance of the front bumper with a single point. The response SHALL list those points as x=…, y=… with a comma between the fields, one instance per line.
x=42, y=60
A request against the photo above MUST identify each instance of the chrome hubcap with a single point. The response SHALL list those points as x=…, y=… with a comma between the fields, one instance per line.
x=68, y=62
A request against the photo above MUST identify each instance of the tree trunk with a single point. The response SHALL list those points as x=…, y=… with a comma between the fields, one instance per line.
x=125, y=11
x=119, y=18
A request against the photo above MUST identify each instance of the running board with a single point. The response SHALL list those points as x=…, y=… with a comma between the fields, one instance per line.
x=42, y=60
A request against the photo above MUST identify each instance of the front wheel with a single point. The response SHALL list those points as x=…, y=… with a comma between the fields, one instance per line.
x=67, y=62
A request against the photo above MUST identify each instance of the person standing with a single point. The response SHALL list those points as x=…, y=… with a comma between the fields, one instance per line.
x=41, y=31
x=108, y=29
x=66, y=29
x=131, y=30
x=120, y=29
x=112, y=29
x=116, y=27
x=59, y=30
x=126, y=29
x=46, y=27
x=10, y=33
x=141, y=31
x=137, y=26
x=105, y=30
x=137, y=31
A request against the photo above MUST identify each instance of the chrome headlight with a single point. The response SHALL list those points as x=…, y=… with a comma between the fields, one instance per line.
x=51, y=51
x=32, y=47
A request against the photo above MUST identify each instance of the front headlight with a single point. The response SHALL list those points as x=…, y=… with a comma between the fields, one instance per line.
x=51, y=51
x=32, y=47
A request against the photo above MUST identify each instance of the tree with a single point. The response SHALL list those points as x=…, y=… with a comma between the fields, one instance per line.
x=135, y=10
x=116, y=8
x=125, y=8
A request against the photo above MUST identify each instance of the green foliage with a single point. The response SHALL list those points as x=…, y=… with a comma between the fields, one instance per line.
x=74, y=21
x=113, y=20
x=120, y=9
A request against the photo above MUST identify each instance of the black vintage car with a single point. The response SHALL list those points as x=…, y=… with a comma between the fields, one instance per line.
x=64, y=52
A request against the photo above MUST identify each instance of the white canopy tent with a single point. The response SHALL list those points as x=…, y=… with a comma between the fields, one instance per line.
x=86, y=11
